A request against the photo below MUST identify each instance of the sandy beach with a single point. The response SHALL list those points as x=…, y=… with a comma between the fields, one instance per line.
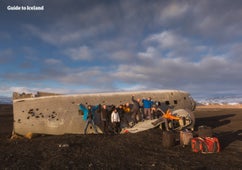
x=219, y=106
x=127, y=151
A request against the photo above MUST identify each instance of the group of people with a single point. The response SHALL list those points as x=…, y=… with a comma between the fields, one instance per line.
x=114, y=118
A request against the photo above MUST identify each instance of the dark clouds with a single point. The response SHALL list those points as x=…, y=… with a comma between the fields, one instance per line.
x=116, y=45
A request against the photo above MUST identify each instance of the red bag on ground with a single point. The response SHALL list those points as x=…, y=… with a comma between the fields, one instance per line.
x=205, y=145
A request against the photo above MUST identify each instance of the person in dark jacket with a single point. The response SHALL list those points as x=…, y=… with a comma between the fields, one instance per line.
x=104, y=118
x=90, y=120
x=135, y=109
x=127, y=113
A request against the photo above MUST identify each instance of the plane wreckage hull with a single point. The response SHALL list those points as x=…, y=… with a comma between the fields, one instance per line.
x=59, y=114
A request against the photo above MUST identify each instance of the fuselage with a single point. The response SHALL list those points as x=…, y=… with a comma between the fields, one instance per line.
x=59, y=114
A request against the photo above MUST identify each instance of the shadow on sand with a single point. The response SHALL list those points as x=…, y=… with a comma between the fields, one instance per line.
x=214, y=121
x=225, y=138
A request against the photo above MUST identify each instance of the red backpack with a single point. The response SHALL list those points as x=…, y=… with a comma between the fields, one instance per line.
x=205, y=145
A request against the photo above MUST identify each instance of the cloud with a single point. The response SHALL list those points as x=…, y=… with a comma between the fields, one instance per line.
x=81, y=23
x=121, y=55
x=129, y=73
x=80, y=53
x=219, y=25
x=21, y=89
x=174, y=10
x=234, y=53
x=5, y=36
x=22, y=77
x=52, y=61
x=6, y=56
x=167, y=40
x=172, y=45
x=149, y=54
x=193, y=46
x=34, y=90
x=53, y=37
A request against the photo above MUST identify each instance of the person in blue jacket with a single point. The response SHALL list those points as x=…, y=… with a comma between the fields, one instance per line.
x=147, y=104
x=88, y=116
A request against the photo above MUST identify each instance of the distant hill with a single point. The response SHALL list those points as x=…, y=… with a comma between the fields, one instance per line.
x=5, y=100
x=229, y=100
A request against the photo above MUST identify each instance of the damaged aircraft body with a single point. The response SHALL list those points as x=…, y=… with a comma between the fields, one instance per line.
x=55, y=114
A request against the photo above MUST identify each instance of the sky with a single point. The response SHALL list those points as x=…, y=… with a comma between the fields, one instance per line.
x=88, y=46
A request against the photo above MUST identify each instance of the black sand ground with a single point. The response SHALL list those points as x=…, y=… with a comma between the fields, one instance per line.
x=129, y=151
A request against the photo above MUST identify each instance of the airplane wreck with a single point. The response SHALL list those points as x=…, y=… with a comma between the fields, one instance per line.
x=55, y=114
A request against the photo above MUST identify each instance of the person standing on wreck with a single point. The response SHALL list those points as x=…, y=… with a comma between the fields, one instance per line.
x=90, y=120
x=147, y=104
x=115, y=120
x=104, y=117
x=135, y=109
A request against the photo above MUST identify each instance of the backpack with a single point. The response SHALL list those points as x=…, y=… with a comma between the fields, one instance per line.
x=205, y=145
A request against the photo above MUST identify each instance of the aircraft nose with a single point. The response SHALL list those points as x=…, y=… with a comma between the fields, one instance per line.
x=193, y=104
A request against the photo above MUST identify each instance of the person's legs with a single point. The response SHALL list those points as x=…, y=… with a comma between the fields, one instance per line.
x=85, y=129
x=126, y=121
x=149, y=113
x=146, y=113
x=104, y=125
x=94, y=126
x=114, y=127
x=134, y=117
x=142, y=115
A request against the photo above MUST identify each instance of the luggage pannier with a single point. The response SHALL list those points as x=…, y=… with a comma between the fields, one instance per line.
x=185, y=137
x=205, y=131
x=168, y=139
x=205, y=145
